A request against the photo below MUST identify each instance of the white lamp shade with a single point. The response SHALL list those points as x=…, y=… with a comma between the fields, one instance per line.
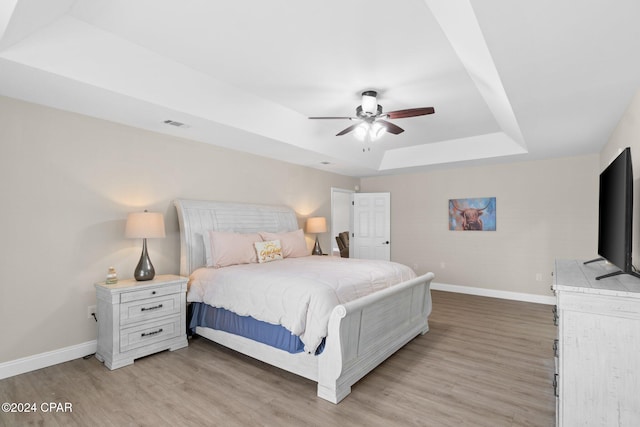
x=361, y=131
x=144, y=225
x=377, y=130
x=317, y=224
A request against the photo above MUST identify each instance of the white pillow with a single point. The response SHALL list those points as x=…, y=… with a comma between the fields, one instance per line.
x=268, y=251
x=228, y=248
x=293, y=242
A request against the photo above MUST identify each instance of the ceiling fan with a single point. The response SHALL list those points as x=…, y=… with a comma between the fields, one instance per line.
x=373, y=121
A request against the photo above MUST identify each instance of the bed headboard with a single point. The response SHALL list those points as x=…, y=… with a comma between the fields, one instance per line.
x=198, y=216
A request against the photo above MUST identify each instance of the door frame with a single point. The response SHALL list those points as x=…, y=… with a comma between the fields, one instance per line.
x=335, y=211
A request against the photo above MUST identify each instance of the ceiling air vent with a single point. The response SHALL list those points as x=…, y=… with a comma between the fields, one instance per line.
x=176, y=124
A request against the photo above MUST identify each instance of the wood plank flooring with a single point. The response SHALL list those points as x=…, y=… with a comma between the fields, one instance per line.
x=485, y=362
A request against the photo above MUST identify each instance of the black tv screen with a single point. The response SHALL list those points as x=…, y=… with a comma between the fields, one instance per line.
x=615, y=213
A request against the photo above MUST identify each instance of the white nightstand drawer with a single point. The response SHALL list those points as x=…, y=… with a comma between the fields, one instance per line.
x=152, y=308
x=149, y=333
x=151, y=292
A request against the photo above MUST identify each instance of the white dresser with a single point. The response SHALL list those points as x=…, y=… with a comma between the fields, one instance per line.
x=598, y=348
x=136, y=319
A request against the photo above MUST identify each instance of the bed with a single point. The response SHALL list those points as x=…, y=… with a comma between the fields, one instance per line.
x=360, y=334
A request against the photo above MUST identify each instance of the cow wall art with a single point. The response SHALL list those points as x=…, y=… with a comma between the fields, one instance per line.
x=472, y=214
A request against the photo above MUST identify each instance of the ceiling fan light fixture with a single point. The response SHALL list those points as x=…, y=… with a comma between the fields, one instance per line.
x=377, y=130
x=361, y=131
x=369, y=102
x=367, y=131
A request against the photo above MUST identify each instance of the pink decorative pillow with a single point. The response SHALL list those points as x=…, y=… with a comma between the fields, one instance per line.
x=232, y=248
x=293, y=243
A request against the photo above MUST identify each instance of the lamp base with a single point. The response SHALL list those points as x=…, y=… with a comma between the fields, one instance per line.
x=144, y=270
x=316, y=248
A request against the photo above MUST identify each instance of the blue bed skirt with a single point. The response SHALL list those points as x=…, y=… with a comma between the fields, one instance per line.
x=224, y=320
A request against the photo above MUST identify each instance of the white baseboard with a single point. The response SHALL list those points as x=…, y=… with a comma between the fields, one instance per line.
x=42, y=360
x=493, y=293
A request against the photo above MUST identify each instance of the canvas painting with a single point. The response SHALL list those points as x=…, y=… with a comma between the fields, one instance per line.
x=477, y=214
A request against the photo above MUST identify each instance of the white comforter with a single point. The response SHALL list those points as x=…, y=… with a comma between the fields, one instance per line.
x=297, y=293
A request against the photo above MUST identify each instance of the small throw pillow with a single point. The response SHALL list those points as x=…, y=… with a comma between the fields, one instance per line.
x=268, y=251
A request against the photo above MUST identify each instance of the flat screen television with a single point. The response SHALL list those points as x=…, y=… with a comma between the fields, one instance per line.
x=615, y=213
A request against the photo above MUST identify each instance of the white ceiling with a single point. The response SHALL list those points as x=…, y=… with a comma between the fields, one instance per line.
x=509, y=80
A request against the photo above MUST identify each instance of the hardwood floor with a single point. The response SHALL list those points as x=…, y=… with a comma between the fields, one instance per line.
x=485, y=362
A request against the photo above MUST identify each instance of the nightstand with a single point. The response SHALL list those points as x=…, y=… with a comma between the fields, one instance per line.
x=136, y=319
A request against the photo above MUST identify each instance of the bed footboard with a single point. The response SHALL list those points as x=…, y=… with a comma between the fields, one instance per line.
x=365, y=332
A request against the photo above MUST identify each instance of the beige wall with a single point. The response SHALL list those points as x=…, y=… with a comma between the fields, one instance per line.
x=545, y=210
x=68, y=182
x=627, y=134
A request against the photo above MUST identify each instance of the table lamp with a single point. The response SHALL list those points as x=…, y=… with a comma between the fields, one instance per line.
x=144, y=225
x=316, y=225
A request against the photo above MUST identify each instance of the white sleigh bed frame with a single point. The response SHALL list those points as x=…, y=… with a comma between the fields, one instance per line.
x=361, y=334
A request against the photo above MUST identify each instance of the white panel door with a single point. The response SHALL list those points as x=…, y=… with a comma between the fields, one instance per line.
x=371, y=237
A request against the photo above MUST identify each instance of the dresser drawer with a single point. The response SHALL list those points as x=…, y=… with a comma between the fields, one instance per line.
x=149, y=333
x=150, y=308
x=151, y=292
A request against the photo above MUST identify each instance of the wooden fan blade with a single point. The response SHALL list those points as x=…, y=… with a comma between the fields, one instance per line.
x=350, y=118
x=391, y=128
x=347, y=130
x=411, y=112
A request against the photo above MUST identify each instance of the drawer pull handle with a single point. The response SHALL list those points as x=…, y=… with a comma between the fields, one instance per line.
x=155, y=307
x=147, y=334
x=153, y=292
